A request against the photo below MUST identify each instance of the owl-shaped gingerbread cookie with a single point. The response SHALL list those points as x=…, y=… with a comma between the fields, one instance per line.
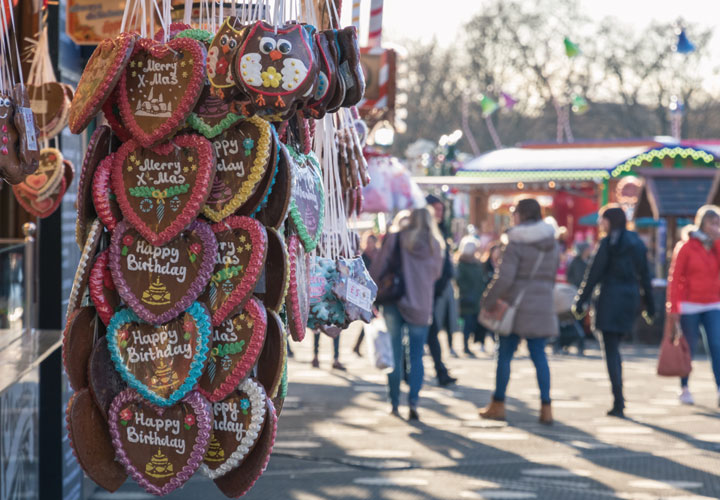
x=277, y=68
x=221, y=52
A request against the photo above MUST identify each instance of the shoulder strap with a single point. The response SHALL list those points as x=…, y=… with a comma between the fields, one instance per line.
x=535, y=268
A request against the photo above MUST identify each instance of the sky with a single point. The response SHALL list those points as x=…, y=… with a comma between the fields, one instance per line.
x=422, y=19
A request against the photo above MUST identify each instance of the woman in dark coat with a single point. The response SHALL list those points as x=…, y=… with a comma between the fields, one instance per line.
x=620, y=268
x=471, y=281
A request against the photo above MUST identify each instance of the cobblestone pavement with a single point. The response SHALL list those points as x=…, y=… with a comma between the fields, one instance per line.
x=337, y=441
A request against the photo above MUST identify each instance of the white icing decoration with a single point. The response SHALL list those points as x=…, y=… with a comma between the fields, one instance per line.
x=93, y=234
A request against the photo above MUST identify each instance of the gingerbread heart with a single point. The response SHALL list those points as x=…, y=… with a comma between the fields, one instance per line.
x=273, y=356
x=243, y=159
x=273, y=284
x=26, y=126
x=104, y=381
x=222, y=50
x=161, y=190
x=160, y=448
x=10, y=168
x=50, y=105
x=111, y=111
x=259, y=199
x=104, y=199
x=91, y=442
x=327, y=77
x=103, y=294
x=78, y=338
x=158, y=283
x=237, y=343
x=238, y=420
x=279, y=400
x=160, y=87
x=82, y=273
x=297, y=301
x=242, y=248
x=47, y=177
x=215, y=112
x=99, y=147
x=275, y=211
x=100, y=76
x=162, y=362
x=238, y=481
x=44, y=207
x=307, y=206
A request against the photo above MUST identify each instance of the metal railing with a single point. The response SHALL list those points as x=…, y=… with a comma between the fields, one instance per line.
x=27, y=246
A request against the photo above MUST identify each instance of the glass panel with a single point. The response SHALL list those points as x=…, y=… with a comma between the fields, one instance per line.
x=12, y=290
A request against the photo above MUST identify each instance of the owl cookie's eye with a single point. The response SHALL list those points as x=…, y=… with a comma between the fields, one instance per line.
x=232, y=43
x=224, y=40
x=267, y=45
x=5, y=102
x=284, y=46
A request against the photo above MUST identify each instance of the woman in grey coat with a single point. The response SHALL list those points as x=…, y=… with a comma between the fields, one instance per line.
x=529, y=263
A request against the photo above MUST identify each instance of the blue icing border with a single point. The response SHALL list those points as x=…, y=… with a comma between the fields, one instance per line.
x=202, y=319
x=263, y=204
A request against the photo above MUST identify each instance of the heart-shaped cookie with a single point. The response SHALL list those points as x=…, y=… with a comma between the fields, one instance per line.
x=91, y=442
x=47, y=177
x=160, y=87
x=103, y=294
x=78, y=338
x=44, y=207
x=162, y=362
x=104, y=381
x=242, y=247
x=296, y=300
x=161, y=190
x=238, y=481
x=238, y=420
x=243, y=159
x=160, y=448
x=100, y=76
x=279, y=400
x=50, y=105
x=10, y=168
x=274, y=282
x=237, y=343
x=275, y=211
x=307, y=206
x=215, y=112
x=82, y=273
x=111, y=111
x=222, y=50
x=272, y=358
x=99, y=147
x=158, y=283
x=104, y=199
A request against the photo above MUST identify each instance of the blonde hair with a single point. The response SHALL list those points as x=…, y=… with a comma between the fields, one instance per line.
x=422, y=228
x=400, y=221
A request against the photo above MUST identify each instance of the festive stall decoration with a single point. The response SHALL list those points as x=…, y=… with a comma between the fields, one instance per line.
x=683, y=45
x=571, y=48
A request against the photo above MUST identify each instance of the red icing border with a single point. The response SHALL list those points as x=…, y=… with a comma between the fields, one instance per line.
x=259, y=315
x=297, y=328
x=185, y=106
x=100, y=270
x=199, y=191
x=101, y=189
x=259, y=241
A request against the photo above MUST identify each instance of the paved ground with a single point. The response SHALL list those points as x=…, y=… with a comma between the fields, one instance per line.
x=337, y=441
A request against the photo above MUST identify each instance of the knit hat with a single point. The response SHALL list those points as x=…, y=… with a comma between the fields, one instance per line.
x=431, y=199
x=468, y=245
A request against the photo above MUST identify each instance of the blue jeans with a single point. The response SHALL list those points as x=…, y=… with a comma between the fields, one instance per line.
x=417, y=336
x=508, y=346
x=690, y=325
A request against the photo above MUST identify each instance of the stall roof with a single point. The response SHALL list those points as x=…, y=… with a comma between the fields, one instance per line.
x=674, y=193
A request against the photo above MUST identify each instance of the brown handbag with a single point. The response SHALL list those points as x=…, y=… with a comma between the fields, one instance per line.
x=674, y=359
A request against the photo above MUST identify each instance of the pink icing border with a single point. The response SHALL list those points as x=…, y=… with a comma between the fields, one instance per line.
x=113, y=120
x=199, y=191
x=241, y=369
x=259, y=241
x=194, y=290
x=103, y=91
x=191, y=93
x=96, y=283
x=25, y=201
x=86, y=175
x=203, y=419
x=297, y=329
x=101, y=187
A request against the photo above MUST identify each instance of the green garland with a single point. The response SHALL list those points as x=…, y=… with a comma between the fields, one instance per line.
x=147, y=191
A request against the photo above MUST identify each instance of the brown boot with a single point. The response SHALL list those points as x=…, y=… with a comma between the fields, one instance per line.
x=494, y=411
x=546, y=414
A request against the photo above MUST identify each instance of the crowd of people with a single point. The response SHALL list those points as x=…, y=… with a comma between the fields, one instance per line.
x=426, y=286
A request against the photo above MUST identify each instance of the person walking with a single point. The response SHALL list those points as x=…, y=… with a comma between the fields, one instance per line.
x=337, y=365
x=471, y=282
x=694, y=289
x=420, y=246
x=444, y=305
x=578, y=265
x=527, y=269
x=620, y=268
x=369, y=250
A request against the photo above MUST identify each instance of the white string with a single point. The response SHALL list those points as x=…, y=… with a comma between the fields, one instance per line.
x=187, y=13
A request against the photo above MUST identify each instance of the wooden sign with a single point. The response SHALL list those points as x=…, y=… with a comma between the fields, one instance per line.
x=89, y=22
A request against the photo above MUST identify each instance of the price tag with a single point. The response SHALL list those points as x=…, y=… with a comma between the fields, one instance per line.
x=359, y=295
x=29, y=120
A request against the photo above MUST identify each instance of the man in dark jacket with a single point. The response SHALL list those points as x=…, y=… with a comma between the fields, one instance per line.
x=620, y=268
x=444, y=306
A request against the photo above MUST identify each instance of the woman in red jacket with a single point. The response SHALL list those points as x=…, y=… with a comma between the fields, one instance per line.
x=694, y=289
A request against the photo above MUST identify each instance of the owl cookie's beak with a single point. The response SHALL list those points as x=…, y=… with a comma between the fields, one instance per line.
x=275, y=55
